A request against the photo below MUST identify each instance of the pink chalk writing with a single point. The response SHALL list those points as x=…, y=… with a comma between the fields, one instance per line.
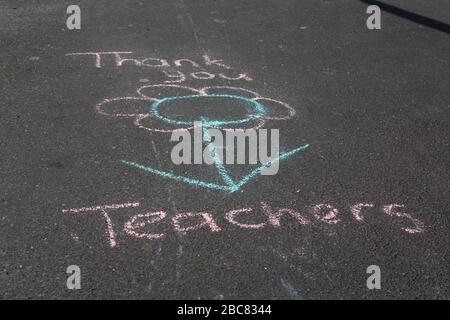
x=231, y=217
x=208, y=221
x=240, y=76
x=203, y=75
x=111, y=235
x=180, y=62
x=356, y=210
x=140, y=221
x=262, y=217
x=177, y=76
x=109, y=228
x=122, y=58
x=325, y=213
x=98, y=56
x=275, y=216
x=392, y=210
x=105, y=207
x=211, y=62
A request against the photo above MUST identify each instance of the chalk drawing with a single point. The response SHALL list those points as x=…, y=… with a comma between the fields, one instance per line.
x=140, y=220
x=213, y=62
x=207, y=218
x=356, y=210
x=105, y=207
x=98, y=56
x=177, y=76
x=203, y=75
x=275, y=216
x=146, y=107
x=230, y=185
x=258, y=110
x=137, y=106
x=180, y=62
x=110, y=229
x=111, y=235
x=290, y=289
x=231, y=217
x=264, y=217
x=148, y=62
x=240, y=76
x=392, y=210
x=146, y=110
x=325, y=213
x=159, y=62
x=122, y=58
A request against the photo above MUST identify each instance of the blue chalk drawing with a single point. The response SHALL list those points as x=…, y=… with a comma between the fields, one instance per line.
x=290, y=289
x=230, y=185
x=258, y=108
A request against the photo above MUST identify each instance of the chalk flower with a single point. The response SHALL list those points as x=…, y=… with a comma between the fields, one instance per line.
x=149, y=108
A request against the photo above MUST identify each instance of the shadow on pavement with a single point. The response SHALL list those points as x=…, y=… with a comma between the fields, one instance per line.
x=428, y=22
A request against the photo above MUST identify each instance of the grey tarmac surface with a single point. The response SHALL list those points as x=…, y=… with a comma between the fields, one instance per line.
x=372, y=105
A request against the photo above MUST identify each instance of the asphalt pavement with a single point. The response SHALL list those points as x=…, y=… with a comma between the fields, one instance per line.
x=87, y=178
